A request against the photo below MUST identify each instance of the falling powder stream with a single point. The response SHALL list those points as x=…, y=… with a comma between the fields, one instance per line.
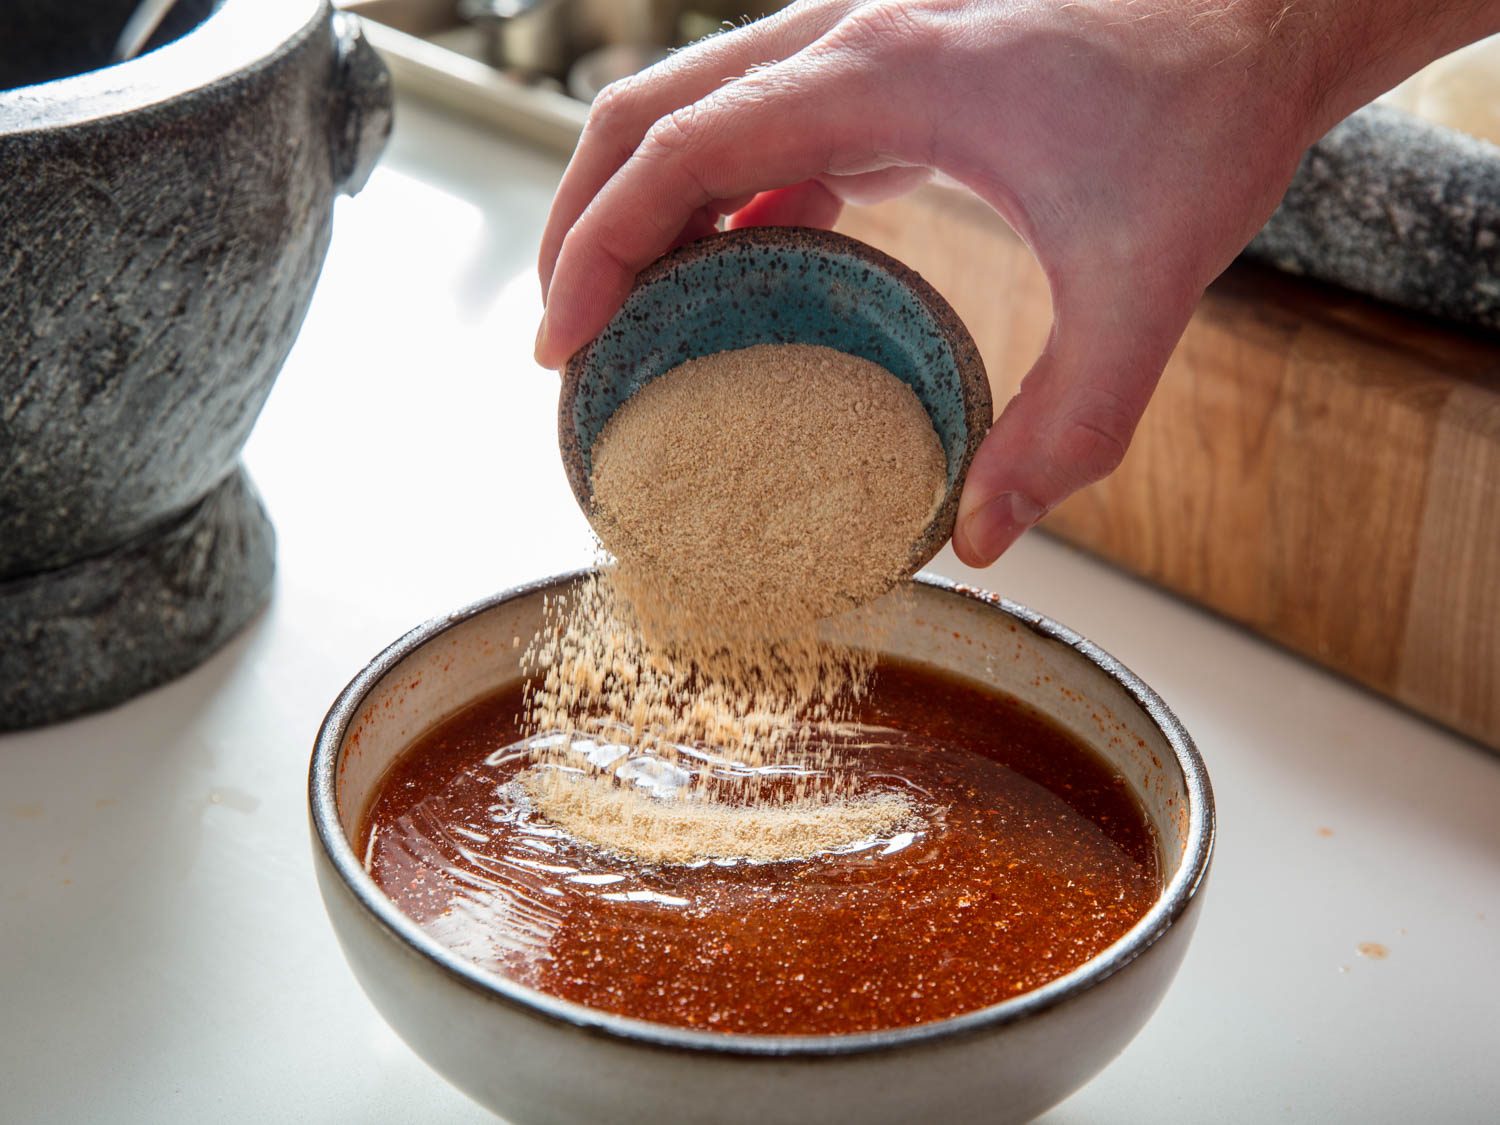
x=748, y=497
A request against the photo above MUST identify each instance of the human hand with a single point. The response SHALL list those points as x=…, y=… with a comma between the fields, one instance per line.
x=1136, y=146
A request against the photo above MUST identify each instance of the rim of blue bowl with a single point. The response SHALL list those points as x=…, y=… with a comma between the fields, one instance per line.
x=1174, y=899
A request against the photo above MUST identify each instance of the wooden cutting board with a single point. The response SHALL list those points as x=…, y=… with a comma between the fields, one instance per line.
x=1319, y=468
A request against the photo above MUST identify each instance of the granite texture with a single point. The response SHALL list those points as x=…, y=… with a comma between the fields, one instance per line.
x=156, y=261
x=106, y=628
x=1396, y=208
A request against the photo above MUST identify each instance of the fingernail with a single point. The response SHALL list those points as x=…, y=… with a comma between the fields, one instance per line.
x=990, y=529
x=541, y=338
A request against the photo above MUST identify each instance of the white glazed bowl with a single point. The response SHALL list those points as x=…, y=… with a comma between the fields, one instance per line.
x=537, y=1059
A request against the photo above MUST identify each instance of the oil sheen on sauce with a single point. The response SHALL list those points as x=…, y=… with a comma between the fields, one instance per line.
x=1032, y=857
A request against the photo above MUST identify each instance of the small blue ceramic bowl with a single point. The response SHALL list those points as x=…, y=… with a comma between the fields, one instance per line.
x=783, y=285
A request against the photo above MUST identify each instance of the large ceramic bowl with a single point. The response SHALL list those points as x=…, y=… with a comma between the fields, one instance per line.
x=162, y=225
x=536, y=1059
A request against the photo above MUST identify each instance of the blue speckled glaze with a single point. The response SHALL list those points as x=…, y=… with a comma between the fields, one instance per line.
x=748, y=294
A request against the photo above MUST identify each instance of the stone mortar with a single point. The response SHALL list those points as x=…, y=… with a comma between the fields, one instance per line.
x=162, y=228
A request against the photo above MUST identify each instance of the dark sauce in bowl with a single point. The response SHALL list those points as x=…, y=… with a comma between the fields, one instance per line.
x=1031, y=856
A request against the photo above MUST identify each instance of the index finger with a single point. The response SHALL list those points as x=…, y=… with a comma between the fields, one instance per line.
x=733, y=143
x=624, y=111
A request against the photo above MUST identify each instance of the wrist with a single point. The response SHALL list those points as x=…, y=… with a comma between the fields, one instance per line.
x=1342, y=54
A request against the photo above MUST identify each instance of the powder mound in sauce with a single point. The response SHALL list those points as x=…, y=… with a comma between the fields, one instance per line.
x=776, y=482
x=622, y=820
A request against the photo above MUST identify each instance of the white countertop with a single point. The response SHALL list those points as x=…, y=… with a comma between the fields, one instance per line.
x=163, y=952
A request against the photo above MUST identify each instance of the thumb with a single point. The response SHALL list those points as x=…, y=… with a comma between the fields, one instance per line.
x=1072, y=420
